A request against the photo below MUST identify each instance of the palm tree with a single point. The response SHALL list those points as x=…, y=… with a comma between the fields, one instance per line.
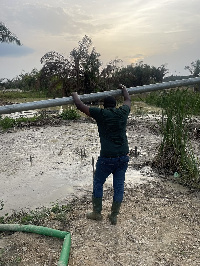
x=7, y=36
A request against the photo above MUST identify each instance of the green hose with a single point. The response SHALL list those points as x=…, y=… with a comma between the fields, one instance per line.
x=64, y=256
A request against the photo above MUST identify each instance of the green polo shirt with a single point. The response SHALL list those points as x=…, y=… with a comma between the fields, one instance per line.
x=111, y=124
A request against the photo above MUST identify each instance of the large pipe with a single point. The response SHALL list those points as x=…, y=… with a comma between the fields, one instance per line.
x=64, y=256
x=8, y=109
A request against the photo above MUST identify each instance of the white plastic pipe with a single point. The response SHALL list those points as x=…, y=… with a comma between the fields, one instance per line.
x=8, y=109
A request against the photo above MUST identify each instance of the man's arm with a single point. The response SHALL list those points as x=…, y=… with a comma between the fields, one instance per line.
x=80, y=105
x=127, y=98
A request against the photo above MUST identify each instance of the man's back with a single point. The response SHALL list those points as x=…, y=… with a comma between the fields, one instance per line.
x=111, y=124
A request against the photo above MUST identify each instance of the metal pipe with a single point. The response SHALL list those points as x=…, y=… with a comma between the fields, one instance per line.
x=8, y=109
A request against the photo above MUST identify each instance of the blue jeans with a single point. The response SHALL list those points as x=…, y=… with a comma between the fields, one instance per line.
x=106, y=166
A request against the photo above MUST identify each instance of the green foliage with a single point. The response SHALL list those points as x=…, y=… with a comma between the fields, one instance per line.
x=70, y=114
x=175, y=153
x=60, y=211
x=191, y=106
x=13, y=95
x=25, y=81
x=20, y=120
x=139, y=74
x=8, y=122
x=80, y=70
x=40, y=215
x=1, y=219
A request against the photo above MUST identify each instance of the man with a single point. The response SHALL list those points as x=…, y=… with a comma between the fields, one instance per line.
x=111, y=122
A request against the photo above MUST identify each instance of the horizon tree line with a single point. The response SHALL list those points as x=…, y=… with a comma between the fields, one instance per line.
x=83, y=71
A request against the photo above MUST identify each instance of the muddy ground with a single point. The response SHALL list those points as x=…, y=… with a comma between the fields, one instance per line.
x=159, y=219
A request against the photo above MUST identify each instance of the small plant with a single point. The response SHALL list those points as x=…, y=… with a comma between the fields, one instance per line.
x=20, y=120
x=59, y=212
x=70, y=114
x=7, y=122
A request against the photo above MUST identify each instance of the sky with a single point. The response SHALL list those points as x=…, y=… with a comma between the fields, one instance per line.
x=156, y=32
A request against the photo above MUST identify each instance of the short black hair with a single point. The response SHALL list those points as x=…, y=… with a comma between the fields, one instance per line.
x=109, y=101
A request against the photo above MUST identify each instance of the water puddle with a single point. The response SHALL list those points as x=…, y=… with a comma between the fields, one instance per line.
x=52, y=187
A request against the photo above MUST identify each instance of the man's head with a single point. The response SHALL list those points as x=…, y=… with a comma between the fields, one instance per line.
x=109, y=102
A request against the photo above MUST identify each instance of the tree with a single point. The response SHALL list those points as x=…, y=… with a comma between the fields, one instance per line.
x=7, y=36
x=79, y=72
x=139, y=74
x=29, y=81
x=79, y=57
x=55, y=71
x=109, y=73
x=194, y=68
x=25, y=81
x=85, y=64
x=195, y=72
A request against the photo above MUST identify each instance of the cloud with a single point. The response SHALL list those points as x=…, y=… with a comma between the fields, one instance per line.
x=51, y=20
x=13, y=50
x=43, y=18
x=132, y=30
x=134, y=58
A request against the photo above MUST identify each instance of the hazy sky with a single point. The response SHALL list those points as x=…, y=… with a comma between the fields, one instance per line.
x=153, y=31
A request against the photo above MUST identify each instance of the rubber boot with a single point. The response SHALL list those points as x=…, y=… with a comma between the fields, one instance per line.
x=114, y=212
x=97, y=207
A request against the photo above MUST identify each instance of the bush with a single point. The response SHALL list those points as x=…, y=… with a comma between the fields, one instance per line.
x=175, y=153
x=7, y=122
x=70, y=114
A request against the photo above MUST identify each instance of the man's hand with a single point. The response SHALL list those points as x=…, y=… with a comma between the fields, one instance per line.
x=122, y=86
x=127, y=98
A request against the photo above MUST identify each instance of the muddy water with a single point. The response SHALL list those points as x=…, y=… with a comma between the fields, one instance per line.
x=40, y=166
x=28, y=194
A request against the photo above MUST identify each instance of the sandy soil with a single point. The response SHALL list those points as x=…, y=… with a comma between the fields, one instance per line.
x=159, y=220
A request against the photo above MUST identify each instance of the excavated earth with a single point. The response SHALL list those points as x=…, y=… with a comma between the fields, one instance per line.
x=159, y=219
